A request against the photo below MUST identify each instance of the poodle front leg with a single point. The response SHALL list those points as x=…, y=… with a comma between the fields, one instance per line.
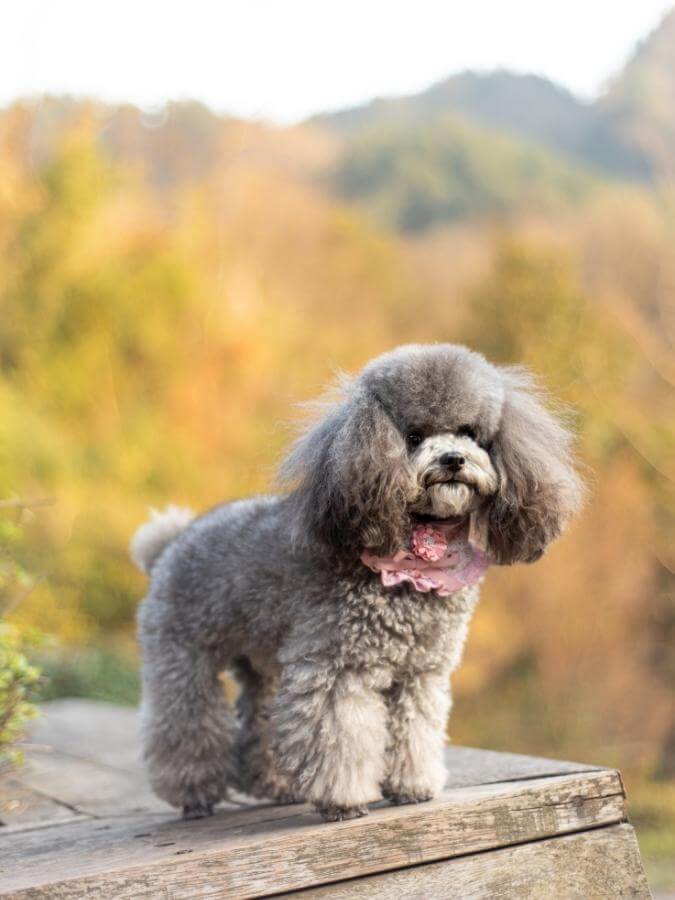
x=330, y=737
x=418, y=712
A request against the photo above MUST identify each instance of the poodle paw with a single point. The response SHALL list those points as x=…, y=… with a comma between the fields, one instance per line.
x=198, y=811
x=401, y=797
x=285, y=798
x=340, y=813
x=273, y=790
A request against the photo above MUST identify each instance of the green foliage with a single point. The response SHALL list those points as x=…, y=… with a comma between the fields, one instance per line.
x=17, y=683
x=18, y=678
x=107, y=673
x=413, y=177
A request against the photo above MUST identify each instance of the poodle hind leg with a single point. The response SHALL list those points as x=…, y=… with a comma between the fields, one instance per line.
x=258, y=774
x=189, y=730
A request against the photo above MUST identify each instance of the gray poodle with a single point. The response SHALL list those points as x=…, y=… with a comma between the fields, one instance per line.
x=342, y=605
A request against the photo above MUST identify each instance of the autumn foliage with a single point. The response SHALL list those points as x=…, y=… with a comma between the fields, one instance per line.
x=162, y=312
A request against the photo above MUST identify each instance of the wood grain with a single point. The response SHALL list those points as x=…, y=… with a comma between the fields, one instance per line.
x=604, y=863
x=89, y=787
x=88, y=729
x=22, y=808
x=260, y=851
x=83, y=823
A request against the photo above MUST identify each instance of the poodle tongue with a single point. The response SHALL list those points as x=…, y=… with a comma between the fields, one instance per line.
x=439, y=556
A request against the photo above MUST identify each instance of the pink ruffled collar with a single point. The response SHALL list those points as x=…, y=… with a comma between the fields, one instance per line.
x=439, y=556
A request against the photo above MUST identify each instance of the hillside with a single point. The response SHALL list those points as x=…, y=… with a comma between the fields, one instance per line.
x=445, y=169
x=628, y=132
x=638, y=110
x=528, y=106
x=448, y=170
x=472, y=146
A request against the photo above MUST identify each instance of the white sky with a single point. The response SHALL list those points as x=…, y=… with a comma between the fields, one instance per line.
x=284, y=59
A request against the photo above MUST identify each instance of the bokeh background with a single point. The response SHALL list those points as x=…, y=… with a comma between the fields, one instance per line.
x=174, y=278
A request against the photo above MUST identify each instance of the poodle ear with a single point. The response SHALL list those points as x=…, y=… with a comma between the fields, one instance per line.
x=539, y=489
x=352, y=480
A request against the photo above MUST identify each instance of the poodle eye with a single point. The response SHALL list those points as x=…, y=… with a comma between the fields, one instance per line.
x=466, y=431
x=413, y=439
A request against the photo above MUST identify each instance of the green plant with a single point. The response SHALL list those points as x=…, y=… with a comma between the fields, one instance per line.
x=18, y=678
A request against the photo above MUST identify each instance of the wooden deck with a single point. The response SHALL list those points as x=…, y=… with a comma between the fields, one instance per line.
x=80, y=821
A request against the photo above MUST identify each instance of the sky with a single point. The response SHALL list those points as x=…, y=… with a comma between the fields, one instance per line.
x=282, y=60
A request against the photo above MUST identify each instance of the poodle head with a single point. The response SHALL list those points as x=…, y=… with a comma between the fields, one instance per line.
x=435, y=432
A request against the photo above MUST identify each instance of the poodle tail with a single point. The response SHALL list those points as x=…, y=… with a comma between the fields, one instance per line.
x=152, y=537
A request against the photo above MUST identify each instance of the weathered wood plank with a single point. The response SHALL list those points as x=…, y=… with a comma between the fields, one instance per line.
x=89, y=787
x=260, y=851
x=110, y=735
x=468, y=766
x=22, y=808
x=604, y=863
x=88, y=729
x=85, y=757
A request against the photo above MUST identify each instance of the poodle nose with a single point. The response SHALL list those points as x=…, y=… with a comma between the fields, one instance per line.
x=453, y=461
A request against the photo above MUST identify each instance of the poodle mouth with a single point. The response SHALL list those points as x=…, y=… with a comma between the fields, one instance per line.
x=422, y=518
x=448, y=480
x=446, y=497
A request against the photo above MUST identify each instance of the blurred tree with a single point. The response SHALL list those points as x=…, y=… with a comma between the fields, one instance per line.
x=592, y=604
x=159, y=320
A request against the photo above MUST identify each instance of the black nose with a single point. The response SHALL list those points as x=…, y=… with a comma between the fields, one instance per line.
x=453, y=461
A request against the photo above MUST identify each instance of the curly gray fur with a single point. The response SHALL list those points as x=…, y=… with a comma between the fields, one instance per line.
x=344, y=684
